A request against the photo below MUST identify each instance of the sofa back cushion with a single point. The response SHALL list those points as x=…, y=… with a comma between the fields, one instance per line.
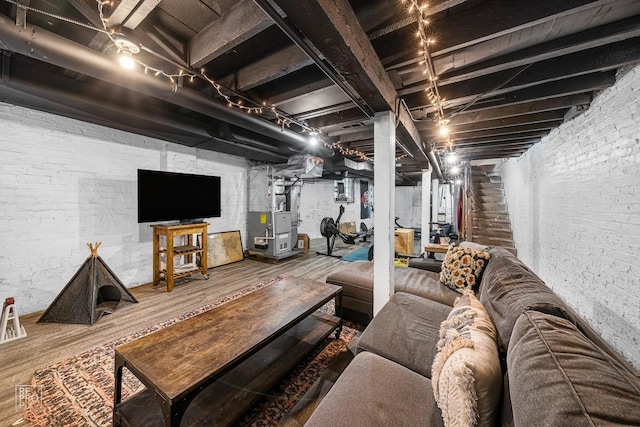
x=466, y=374
x=425, y=284
x=406, y=331
x=557, y=376
x=508, y=288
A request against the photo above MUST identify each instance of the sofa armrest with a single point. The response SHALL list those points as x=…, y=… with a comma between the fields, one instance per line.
x=429, y=264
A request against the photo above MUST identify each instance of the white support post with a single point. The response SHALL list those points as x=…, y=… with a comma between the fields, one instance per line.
x=384, y=140
x=425, y=215
x=435, y=199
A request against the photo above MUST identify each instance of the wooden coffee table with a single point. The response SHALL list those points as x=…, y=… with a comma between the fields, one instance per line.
x=212, y=367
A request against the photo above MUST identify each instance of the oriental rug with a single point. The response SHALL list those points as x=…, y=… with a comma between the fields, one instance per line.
x=78, y=392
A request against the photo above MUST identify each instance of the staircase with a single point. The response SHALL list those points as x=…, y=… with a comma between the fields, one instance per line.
x=489, y=213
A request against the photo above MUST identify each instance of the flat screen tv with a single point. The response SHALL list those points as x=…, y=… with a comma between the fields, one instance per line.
x=168, y=196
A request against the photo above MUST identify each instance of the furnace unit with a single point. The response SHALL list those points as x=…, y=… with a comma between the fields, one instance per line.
x=274, y=201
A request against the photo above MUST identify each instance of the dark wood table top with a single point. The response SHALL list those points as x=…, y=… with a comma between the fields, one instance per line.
x=179, y=358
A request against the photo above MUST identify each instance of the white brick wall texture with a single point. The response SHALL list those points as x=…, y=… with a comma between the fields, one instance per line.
x=65, y=183
x=574, y=204
x=409, y=206
x=317, y=202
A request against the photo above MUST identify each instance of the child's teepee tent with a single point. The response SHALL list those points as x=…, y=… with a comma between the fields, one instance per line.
x=93, y=291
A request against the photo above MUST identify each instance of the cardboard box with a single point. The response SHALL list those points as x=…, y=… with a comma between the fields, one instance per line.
x=303, y=243
x=347, y=227
x=403, y=242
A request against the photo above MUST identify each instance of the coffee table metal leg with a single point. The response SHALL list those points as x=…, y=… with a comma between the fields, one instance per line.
x=173, y=413
x=117, y=394
x=339, y=314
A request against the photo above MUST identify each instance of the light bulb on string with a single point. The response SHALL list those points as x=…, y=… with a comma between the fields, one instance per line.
x=126, y=60
x=313, y=138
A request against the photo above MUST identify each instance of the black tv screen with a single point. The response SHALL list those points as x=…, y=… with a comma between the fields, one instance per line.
x=167, y=196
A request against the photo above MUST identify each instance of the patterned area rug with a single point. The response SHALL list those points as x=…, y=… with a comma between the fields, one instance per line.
x=78, y=392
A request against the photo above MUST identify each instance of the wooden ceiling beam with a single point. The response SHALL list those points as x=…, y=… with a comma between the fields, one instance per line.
x=431, y=128
x=560, y=103
x=565, y=87
x=435, y=6
x=598, y=59
x=486, y=58
x=291, y=58
x=350, y=116
x=492, y=155
x=571, y=86
x=498, y=138
x=269, y=68
x=588, y=39
x=490, y=19
x=241, y=22
x=496, y=145
x=332, y=27
x=511, y=131
x=143, y=9
x=360, y=145
x=356, y=136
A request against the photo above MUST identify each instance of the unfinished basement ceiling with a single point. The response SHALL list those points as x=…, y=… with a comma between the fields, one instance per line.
x=508, y=72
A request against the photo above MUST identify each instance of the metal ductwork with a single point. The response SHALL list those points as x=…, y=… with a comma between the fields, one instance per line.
x=45, y=46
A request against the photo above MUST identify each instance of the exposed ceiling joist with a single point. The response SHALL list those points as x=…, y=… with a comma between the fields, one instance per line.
x=333, y=29
x=508, y=70
x=243, y=21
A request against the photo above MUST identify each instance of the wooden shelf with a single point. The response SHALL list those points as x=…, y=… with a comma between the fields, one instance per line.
x=188, y=251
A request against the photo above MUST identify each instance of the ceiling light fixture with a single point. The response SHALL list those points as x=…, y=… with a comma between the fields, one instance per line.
x=126, y=50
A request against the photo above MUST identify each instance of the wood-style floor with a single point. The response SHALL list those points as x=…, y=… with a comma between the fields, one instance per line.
x=48, y=343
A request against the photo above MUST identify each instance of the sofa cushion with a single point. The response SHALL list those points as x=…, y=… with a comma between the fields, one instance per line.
x=508, y=288
x=405, y=330
x=463, y=267
x=557, y=376
x=358, y=277
x=374, y=391
x=356, y=280
x=467, y=378
x=425, y=284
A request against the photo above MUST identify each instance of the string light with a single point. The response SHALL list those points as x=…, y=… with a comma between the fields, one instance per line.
x=433, y=93
x=131, y=49
x=281, y=119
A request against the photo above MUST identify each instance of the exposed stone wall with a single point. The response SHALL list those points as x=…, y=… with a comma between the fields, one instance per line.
x=574, y=202
x=65, y=183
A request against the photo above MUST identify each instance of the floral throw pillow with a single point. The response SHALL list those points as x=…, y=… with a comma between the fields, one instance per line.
x=463, y=267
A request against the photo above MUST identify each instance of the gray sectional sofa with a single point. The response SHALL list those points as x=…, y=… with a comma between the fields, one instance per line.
x=554, y=369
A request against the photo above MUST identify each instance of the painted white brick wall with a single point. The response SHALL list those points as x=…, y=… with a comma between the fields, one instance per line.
x=65, y=183
x=574, y=202
x=409, y=206
x=317, y=202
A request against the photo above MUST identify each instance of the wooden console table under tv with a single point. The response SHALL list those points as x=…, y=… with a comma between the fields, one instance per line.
x=190, y=251
x=211, y=368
